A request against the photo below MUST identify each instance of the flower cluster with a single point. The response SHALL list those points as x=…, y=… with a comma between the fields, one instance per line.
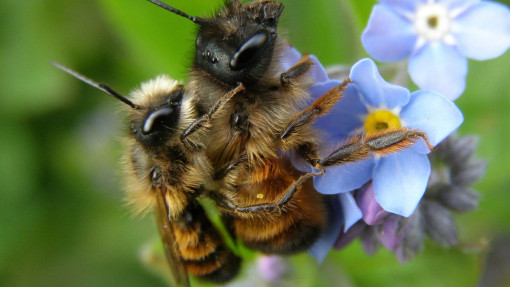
x=397, y=181
x=398, y=199
x=437, y=36
x=454, y=170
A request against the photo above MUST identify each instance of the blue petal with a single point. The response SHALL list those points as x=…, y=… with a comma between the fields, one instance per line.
x=320, y=88
x=400, y=181
x=458, y=6
x=290, y=57
x=299, y=163
x=433, y=114
x=344, y=178
x=328, y=236
x=388, y=36
x=439, y=67
x=351, y=211
x=318, y=72
x=345, y=117
x=375, y=91
x=421, y=147
x=405, y=6
x=483, y=31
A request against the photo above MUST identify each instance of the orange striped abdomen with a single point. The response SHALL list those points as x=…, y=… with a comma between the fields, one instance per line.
x=302, y=218
x=201, y=247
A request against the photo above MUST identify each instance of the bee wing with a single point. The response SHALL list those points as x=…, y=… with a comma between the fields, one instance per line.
x=166, y=231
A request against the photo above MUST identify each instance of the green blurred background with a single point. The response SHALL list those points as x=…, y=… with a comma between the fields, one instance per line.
x=63, y=220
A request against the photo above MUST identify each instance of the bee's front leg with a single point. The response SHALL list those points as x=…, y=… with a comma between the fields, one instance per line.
x=297, y=71
x=318, y=108
x=204, y=119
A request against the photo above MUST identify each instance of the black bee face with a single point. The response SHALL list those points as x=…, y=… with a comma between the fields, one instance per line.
x=241, y=54
x=235, y=62
x=159, y=121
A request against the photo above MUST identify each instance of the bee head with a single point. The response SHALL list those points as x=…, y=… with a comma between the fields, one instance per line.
x=155, y=109
x=237, y=44
x=157, y=115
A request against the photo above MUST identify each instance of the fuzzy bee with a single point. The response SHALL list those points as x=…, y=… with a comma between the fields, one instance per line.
x=274, y=207
x=168, y=175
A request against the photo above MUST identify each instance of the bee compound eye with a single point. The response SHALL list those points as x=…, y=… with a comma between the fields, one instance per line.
x=250, y=50
x=156, y=117
x=156, y=176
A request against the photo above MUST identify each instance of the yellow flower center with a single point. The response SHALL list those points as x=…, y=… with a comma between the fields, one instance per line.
x=380, y=121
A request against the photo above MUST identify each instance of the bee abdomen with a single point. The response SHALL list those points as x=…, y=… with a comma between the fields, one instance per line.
x=202, y=249
x=297, y=238
x=294, y=230
x=219, y=267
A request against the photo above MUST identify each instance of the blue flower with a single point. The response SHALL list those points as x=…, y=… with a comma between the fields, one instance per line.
x=437, y=36
x=400, y=179
x=343, y=213
x=343, y=210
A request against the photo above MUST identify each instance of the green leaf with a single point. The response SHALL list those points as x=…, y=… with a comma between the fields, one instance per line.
x=327, y=29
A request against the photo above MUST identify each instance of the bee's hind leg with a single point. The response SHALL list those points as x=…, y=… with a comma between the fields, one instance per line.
x=268, y=207
x=380, y=144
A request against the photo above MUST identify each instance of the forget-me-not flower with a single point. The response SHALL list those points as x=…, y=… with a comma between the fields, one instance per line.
x=437, y=36
x=371, y=105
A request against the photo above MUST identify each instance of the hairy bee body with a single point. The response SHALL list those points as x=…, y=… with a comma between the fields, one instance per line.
x=250, y=125
x=163, y=174
x=167, y=174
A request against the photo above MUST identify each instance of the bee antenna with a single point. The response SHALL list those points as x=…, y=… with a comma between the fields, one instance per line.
x=102, y=87
x=197, y=20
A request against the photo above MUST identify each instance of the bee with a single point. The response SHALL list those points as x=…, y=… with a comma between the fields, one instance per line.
x=167, y=174
x=273, y=206
x=229, y=134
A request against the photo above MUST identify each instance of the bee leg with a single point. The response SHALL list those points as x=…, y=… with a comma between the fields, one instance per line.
x=204, y=119
x=380, y=144
x=222, y=173
x=291, y=190
x=319, y=107
x=359, y=148
x=299, y=69
x=270, y=207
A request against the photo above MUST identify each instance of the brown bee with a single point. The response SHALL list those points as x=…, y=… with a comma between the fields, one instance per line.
x=274, y=207
x=168, y=175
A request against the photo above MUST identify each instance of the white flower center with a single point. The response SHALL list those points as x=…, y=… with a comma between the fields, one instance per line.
x=432, y=21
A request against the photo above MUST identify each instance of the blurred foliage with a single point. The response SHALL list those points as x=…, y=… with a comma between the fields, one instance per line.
x=62, y=215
